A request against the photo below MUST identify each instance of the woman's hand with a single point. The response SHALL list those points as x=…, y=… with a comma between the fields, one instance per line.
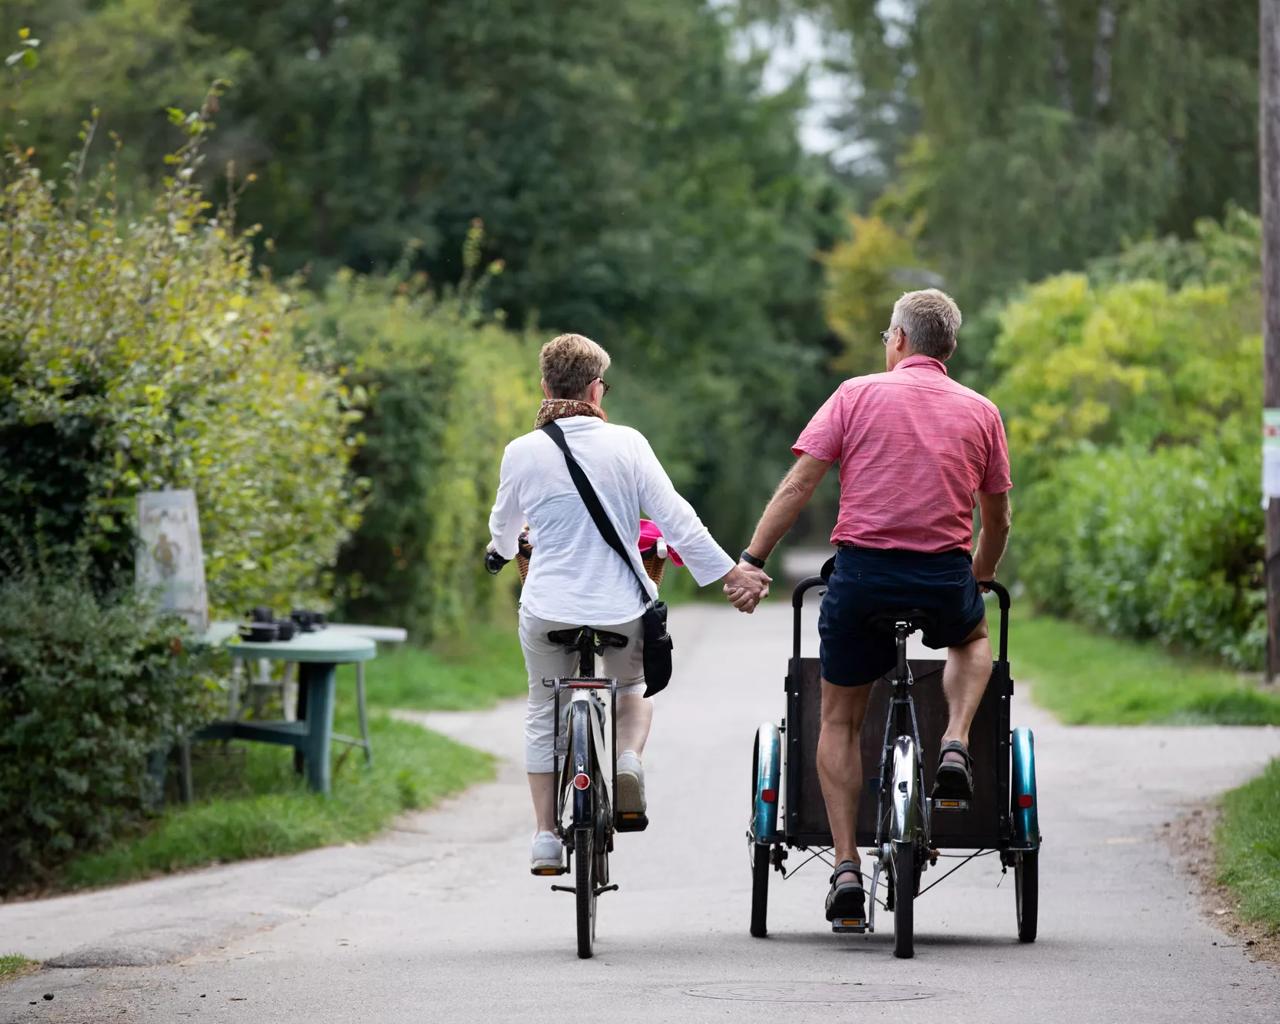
x=746, y=586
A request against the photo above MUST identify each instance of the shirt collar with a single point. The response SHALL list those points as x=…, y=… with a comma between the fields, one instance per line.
x=928, y=362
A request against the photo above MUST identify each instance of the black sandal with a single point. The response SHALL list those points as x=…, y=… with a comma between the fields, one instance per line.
x=846, y=900
x=953, y=781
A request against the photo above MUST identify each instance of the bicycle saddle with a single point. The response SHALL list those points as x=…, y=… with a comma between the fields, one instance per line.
x=915, y=618
x=573, y=637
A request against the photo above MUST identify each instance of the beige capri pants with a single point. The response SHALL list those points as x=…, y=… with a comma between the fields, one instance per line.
x=545, y=660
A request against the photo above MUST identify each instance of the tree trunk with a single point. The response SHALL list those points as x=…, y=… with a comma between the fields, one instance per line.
x=1102, y=57
x=1269, y=151
x=1061, y=66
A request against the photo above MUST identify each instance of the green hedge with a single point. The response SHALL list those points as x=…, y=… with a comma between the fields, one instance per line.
x=447, y=389
x=89, y=688
x=1164, y=544
x=138, y=353
x=1132, y=409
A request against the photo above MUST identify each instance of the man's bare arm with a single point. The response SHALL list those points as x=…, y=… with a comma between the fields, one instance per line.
x=788, y=500
x=993, y=534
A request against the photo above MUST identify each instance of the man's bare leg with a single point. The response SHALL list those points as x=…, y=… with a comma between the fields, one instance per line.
x=840, y=764
x=964, y=681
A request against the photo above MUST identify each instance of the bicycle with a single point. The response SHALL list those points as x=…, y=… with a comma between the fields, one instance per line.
x=905, y=829
x=585, y=816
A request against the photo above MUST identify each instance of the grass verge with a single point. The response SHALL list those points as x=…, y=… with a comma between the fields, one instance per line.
x=1249, y=847
x=473, y=673
x=1087, y=678
x=12, y=965
x=252, y=804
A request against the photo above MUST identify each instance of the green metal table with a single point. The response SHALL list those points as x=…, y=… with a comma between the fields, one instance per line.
x=318, y=656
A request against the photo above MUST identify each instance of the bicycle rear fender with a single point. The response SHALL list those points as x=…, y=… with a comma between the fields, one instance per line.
x=767, y=784
x=1023, y=804
x=580, y=752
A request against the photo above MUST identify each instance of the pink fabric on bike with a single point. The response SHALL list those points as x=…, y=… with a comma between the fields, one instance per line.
x=914, y=447
x=650, y=533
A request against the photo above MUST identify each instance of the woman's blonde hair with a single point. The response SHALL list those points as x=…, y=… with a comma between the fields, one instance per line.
x=570, y=363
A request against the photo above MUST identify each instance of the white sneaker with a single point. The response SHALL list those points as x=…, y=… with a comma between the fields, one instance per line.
x=547, y=855
x=630, y=783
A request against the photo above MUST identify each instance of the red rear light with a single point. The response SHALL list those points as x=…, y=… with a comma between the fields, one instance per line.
x=768, y=795
x=1025, y=799
x=581, y=781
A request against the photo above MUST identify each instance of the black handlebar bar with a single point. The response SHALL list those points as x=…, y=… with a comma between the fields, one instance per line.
x=809, y=582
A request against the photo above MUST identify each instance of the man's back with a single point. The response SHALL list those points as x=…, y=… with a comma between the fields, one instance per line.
x=913, y=446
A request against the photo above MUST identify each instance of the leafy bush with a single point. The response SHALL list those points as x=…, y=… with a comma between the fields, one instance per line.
x=1132, y=411
x=1164, y=544
x=89, y=688
x=144, y=353
x=447, y=389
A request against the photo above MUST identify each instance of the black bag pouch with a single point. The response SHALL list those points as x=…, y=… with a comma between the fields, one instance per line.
x=657, y=649
x=657, y=641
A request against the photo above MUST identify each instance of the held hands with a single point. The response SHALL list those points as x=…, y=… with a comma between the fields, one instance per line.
x=746, y=586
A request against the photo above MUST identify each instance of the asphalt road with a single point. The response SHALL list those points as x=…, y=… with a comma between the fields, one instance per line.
x=439, y=920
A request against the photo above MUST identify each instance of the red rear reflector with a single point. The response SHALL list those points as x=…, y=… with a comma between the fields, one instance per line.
x=581, y=781
x=1025, y=800
x=768, y=795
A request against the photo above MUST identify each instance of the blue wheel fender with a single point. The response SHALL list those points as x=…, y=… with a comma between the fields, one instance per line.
x=1023, y=801
x=765, y=790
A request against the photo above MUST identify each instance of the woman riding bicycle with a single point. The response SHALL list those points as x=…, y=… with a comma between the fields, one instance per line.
x=576, y=579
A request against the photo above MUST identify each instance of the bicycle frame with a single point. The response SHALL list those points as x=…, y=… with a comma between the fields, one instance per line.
x=583, y=690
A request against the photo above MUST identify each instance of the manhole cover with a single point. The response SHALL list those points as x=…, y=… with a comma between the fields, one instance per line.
x=811, y=992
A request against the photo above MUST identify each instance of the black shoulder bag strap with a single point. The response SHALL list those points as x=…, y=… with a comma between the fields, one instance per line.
x=657, y=641
x=592, y=500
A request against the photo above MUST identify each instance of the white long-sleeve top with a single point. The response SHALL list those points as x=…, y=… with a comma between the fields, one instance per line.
x=574, y=576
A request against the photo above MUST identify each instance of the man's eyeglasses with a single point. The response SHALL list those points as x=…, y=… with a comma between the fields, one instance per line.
x=605, y=384
x=886, y=334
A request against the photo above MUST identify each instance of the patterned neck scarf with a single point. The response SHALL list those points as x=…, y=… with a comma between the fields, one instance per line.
x=559, y=408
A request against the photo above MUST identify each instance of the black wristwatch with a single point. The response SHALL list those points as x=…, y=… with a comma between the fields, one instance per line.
x=751, y=559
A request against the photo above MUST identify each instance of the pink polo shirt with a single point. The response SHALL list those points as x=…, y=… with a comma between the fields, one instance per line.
x=914, y=447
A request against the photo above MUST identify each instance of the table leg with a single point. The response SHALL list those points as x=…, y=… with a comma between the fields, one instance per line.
x=317, y=682
x=364, y=718
x=300, y=715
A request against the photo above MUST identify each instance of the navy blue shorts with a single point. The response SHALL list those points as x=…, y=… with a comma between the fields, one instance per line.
x=867, y=581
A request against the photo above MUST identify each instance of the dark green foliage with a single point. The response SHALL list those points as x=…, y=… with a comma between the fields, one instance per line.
x=447, y=389
x=89, y=688
x=1132, y=407
x=1164, y=544
x=141, y=353
x=1033, y=135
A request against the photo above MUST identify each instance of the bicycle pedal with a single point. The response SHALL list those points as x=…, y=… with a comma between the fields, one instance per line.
x=946, y=804
x=849, y=925
x=632, y=821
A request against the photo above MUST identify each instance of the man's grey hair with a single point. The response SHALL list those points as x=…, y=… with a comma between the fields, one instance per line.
x=930, y=319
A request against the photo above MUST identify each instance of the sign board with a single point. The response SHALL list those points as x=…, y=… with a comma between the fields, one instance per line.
x=170, y=560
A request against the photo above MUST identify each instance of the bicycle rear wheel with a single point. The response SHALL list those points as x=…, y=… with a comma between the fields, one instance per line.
x=904, y=898
x=585, y=783
x=584, y=885
x=1026, y=880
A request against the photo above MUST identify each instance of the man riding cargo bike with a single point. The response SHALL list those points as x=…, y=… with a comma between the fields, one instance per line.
x=915, y=450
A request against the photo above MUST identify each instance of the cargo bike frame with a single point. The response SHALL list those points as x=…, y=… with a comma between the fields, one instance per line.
x=902, y=829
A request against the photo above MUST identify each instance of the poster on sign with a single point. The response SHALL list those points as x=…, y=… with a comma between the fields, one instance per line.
x=170, y=560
